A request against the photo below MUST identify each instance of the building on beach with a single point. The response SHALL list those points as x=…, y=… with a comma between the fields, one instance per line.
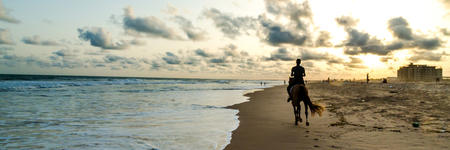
x=419, y=73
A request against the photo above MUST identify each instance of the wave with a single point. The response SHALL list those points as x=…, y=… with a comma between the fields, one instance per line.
x=46, y=82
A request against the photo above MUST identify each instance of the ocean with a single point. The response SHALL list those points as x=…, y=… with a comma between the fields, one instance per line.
x=77, y=112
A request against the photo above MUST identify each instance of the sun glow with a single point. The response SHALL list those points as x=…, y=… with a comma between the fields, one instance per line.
x=372, y=61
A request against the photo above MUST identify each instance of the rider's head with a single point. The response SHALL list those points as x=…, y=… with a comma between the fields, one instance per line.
x=298, y=61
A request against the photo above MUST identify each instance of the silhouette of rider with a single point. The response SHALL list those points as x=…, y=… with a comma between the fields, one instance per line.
x=298, y=72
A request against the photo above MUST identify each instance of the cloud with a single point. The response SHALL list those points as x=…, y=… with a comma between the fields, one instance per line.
x=99, y=37
x=170, y=9
x=32, y=60
x=65, y=58
x=428, y=43
x=323, y=39
x=276, y=35
x=5, y=37
x=427, y=55
x=112, y=58
x=295, y=12
x=4, y=15
x=9, y=57
x=446, y=3
x=150, y=26
x=400, y=28
x=231, y=50
x=192, y=32
x=359, y=42
x=115, y=62
x=296, y=31
x=193, y=61
x=356, y=38
x=355, y=63
x=4, y=49
x=64, y=53
x=445, y=31
x=36, y=40
x=217, y=60
x=171, y=58
x=69, y=58
x=230, y=26
x=312, y=55
x=136, y=42
x=347, y=21
x=59, y=59
x=308, y=54
x=227, y=59
x=281, y=54
x=203, y=53
x=155, y=65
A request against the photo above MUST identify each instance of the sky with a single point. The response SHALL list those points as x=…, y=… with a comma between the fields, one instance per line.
x=233, y=39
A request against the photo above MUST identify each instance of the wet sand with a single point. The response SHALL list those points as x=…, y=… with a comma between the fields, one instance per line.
x=358, y=116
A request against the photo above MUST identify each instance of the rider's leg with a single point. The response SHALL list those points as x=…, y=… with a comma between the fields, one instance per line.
x=289, y=92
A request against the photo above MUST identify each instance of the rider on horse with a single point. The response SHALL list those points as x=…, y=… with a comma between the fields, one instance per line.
x=298, y=72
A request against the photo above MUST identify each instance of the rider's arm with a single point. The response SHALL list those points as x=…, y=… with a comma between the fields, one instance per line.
x=304, y=74
x=292, y=72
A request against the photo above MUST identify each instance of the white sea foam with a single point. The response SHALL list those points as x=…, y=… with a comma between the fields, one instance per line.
x=110, y=113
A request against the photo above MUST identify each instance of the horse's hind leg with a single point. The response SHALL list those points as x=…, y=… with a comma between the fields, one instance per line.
x=299, y=112
x=306, y=113
x=295, y=114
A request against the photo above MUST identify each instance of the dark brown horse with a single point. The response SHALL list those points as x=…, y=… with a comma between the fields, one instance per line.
x=300, y=93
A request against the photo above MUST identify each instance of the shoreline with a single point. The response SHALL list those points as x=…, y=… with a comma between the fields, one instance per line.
x=266, y=120
x=256, y=131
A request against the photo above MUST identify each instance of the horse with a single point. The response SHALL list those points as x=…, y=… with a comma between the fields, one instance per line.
x=300, y=93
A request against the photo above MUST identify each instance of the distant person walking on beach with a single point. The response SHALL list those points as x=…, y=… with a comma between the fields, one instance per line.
x=367, y=78
x=298, y=72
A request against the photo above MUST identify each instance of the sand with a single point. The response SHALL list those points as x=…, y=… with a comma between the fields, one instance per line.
x=358, y=116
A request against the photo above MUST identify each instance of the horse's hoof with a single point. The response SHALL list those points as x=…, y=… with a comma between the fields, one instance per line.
x=296, y=123
x=301, y=120
x=307, y=123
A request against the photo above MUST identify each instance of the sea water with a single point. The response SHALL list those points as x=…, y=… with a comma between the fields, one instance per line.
x=69, y=112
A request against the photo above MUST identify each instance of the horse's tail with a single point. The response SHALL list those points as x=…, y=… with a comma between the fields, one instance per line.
x=315, y=108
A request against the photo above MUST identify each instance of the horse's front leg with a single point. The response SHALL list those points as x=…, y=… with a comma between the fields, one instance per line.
x=306, y=113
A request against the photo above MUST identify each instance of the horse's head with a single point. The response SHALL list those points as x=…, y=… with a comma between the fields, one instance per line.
x=291, y=80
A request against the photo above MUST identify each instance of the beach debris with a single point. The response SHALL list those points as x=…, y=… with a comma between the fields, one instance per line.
x=316, y=146
x=334, y=146
x=377, y=127
x=415, y=124
x=395, y=130
x=316, y=139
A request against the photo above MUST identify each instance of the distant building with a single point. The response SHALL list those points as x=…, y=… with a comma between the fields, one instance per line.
x=419, y=73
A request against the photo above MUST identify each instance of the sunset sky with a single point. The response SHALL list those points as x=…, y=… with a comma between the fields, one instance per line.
x=243, y=39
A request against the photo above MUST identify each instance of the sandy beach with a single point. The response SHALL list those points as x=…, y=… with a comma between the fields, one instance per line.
x=357, y=116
